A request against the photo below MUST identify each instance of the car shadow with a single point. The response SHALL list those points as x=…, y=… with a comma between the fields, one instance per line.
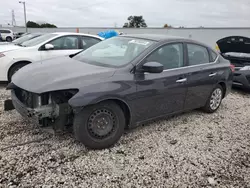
x=3, y=85
x=241, y=91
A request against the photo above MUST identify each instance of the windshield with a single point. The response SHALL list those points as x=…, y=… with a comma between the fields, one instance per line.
x=114, y=52
x=25, y=38
x=38, y=40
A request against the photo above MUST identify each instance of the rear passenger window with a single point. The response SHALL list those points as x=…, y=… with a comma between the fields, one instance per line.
x=197, y=54
x=214, y=56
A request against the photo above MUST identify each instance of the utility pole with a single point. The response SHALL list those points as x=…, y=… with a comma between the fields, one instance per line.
x=24, y=9
x=13, y=22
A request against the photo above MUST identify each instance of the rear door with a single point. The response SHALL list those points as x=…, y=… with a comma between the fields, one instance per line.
x=162, y=93
x=202, y=75
x=64, y=45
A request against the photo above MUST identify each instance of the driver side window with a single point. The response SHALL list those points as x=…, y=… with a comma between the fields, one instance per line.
x=65, y=43
x=170, y=56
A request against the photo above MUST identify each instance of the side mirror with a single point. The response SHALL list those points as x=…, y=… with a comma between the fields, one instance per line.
x=49, y=46
x=152, y=67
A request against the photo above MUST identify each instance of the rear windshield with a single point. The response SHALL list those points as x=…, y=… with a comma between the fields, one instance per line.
x=38, y=40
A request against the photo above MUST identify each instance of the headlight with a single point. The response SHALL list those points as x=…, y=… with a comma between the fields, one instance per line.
x=245, y=68
x=62, y=96
x=1, y=55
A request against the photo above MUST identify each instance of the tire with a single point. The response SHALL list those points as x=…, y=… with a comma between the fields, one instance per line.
x=217, y=96
x=99, y=126
x=8, y=39
x=14, y=69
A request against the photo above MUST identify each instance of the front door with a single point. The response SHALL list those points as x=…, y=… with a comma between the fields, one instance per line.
x=202, y=77
x=65, y=45
x=162, y=93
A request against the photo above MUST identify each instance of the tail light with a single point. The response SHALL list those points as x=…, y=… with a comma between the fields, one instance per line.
x=232, y=67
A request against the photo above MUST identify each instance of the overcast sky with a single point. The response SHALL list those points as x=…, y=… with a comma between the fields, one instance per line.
x=105, y=13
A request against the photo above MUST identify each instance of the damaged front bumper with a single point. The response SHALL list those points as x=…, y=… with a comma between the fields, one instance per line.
x=51, y=114
x=40, y=112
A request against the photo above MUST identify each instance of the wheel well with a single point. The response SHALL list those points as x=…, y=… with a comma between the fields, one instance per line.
x=223, y=85
x=124, y=108
x=17, y=63
x=9, y=37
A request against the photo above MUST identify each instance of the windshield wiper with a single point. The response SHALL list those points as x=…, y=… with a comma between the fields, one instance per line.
x=73, y=55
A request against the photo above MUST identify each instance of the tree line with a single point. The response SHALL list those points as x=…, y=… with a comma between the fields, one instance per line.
x=32, y=24
x=139, y=22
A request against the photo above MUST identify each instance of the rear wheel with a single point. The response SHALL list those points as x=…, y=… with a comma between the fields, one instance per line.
x=214, y=100
x=8, y=39
x=99, y=126
x=14, y=69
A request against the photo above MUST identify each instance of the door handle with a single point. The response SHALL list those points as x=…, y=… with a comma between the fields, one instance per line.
x=181, y=80
x=212, y=74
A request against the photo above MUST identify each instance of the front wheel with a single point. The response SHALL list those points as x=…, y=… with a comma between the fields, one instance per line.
x=99, y=126
x=214, y=100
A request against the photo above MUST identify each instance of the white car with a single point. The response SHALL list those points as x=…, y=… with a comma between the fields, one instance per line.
x=41, y=48
x=7, y=35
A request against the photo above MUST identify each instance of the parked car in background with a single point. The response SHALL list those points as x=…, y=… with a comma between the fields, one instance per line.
x=7, y=35
x=236, y=50
x=19, y=40
x=41, y=48
x=19, y=34
x=101, y=94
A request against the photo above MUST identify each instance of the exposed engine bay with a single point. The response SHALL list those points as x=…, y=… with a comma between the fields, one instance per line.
x=49, y=109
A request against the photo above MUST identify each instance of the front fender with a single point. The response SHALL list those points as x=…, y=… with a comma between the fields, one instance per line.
x=103, y=91
x=16, y=60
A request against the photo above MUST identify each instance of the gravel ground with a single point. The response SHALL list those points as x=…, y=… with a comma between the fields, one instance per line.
x=190, y=150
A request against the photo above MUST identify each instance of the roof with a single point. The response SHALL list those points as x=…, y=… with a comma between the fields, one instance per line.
x=154, y=37
x=164, y=38
x=73, y=33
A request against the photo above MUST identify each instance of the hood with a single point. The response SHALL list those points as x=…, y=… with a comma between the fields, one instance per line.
x=58, y=74
x=237, y=44
x=9, y=47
